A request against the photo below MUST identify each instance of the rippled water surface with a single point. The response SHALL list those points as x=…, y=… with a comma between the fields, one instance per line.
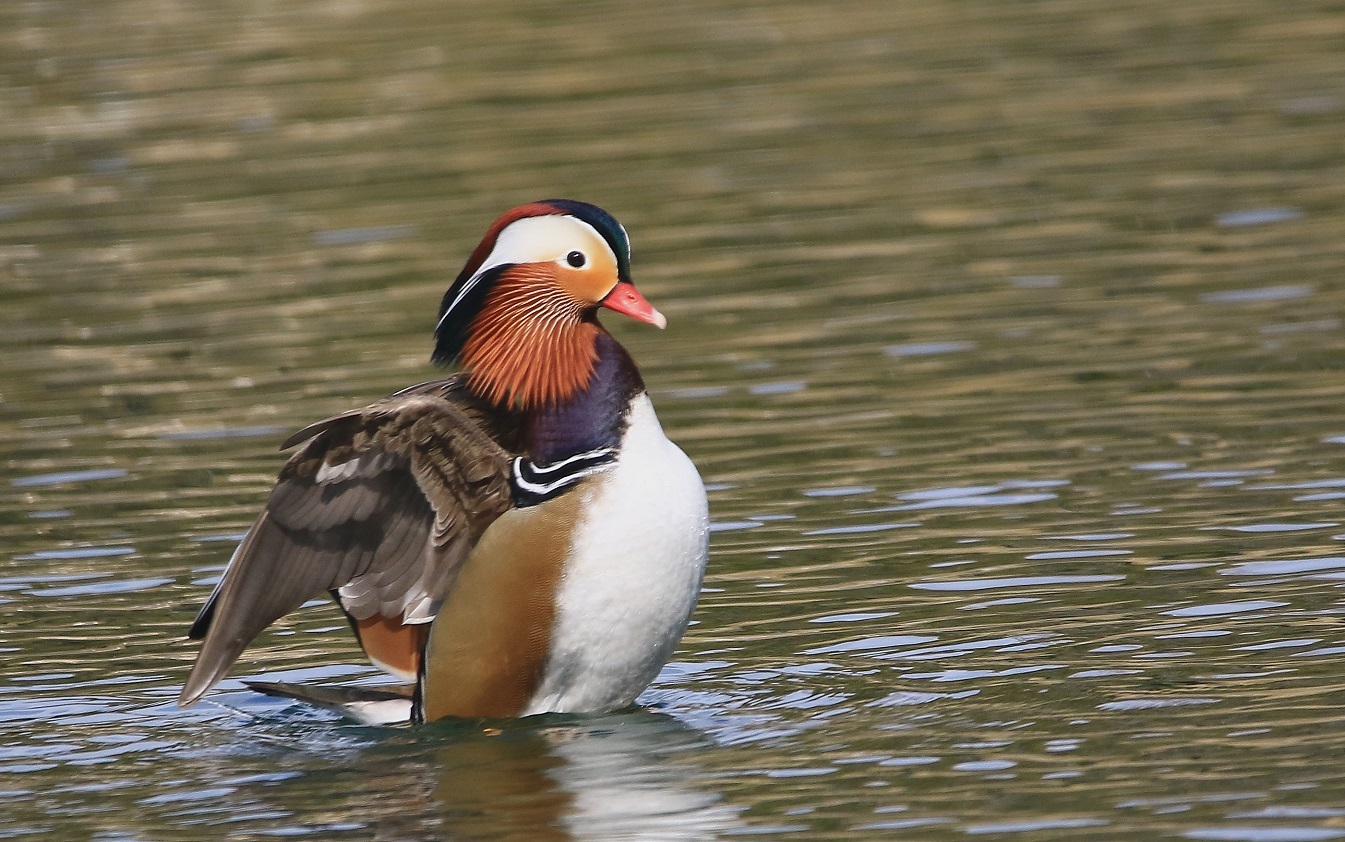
x=1007, y=337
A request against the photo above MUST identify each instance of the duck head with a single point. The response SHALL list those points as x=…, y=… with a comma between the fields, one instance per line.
x=521, y=318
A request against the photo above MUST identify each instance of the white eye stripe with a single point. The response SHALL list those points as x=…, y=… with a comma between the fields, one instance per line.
x=535, y=239
x=542, y=239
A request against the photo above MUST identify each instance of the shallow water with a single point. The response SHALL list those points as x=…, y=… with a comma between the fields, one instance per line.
x=1006, y=336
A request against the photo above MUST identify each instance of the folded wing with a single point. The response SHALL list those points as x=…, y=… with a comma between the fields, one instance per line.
x=380, y=508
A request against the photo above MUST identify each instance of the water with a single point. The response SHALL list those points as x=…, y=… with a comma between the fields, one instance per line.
x=1007, y=337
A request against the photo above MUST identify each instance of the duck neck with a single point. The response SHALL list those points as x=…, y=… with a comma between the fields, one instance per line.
x=591, y=418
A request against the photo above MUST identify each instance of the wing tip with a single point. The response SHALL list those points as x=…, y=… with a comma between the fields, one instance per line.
x=200, y=681
x=384, y=705
x=191, y=693
x=212, y=663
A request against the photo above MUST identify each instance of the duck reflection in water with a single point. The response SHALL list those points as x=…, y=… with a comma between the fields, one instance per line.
x=552, y=778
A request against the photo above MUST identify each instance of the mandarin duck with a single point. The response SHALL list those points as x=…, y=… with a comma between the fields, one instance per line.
x=515, y=539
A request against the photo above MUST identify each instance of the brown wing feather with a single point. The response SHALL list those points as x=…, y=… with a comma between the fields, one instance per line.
x=381, y=506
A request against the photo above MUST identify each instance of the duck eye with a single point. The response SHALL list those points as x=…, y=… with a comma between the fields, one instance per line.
x=576, y=259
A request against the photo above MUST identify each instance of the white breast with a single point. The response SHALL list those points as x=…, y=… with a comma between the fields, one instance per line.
x=633, y=578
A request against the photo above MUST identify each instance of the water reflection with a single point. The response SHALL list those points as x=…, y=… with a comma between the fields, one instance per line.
x=618, y=794
x=619, y=777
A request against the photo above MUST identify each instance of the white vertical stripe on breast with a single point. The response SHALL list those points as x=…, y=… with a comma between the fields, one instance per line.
x=632, y=581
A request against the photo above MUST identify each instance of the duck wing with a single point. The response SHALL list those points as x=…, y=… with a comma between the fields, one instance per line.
x=380, y=507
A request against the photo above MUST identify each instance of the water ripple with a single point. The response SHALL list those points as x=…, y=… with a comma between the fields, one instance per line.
x=1013, y=582
x=64, y=477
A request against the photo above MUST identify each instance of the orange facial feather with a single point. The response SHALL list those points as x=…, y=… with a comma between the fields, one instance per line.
x=530, y=344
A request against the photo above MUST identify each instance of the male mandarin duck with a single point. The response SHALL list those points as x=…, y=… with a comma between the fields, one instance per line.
x=518, y=538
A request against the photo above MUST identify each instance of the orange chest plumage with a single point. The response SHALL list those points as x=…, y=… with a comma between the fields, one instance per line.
x=489, y=646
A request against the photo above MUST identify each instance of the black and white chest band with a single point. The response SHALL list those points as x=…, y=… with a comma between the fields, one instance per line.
x=532, y=483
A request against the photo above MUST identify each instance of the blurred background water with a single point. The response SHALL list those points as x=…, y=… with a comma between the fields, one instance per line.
x=1007, y=336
